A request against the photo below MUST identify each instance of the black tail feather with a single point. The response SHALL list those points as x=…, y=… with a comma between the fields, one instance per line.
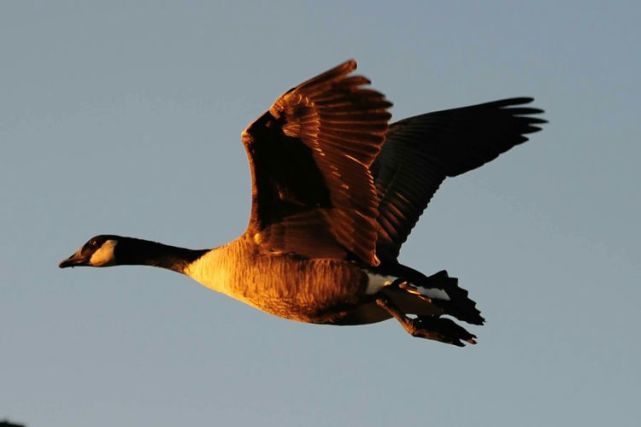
x=460, y=305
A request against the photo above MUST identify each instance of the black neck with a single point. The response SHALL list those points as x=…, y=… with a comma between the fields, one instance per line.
x=131, y=251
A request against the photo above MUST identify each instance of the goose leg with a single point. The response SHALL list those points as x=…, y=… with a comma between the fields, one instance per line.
x=429, y=327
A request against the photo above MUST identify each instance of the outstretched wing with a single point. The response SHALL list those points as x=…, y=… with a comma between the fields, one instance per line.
x=310, y=157
x=422, y=151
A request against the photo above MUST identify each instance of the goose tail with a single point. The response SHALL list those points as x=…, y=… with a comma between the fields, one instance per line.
x=459, y=304
x=419, y=303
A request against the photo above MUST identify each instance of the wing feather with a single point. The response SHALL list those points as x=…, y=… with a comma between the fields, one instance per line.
x=310, y=157
x=422, y=151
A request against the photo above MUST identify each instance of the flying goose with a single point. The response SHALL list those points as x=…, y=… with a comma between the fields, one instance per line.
x=335, y=193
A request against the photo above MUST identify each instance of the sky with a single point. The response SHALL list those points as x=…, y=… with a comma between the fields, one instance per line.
x=125, y=117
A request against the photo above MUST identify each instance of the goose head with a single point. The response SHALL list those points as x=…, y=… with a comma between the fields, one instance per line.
x=99, y=251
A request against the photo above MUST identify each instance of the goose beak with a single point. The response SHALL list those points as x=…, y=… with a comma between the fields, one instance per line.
x=75, y=260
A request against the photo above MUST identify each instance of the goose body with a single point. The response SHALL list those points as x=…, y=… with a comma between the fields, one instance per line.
x=286, y=285
x=336, y=191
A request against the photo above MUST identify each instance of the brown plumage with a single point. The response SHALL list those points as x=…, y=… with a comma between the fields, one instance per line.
x=310, y=155
x=335, y=193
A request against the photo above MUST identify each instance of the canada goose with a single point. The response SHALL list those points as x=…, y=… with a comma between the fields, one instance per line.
x=335, y=193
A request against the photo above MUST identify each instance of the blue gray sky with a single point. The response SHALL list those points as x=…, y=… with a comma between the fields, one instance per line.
x=124, y=117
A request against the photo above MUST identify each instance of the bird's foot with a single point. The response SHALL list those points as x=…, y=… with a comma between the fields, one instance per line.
x=429, y=327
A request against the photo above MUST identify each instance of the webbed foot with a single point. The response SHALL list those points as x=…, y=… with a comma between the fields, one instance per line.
x=429, y=327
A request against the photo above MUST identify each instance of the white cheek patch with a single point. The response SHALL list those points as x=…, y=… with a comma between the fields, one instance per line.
x=104, y=255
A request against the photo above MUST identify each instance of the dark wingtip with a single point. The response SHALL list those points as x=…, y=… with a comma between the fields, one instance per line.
x=519, y=100
x=526, y=115
x=472, y=340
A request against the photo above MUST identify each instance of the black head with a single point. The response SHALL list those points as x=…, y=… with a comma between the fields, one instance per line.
x=99, y=251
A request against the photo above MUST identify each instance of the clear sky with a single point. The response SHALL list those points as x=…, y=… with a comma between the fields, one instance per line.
x=124, y=117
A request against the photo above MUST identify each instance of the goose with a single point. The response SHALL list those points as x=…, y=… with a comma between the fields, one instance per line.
x=336, y=191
